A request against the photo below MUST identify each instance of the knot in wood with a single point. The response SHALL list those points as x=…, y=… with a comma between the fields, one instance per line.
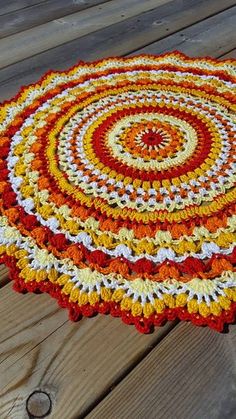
x=38, y=404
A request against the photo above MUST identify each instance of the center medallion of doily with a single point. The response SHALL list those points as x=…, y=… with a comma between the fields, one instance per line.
x=152, y=138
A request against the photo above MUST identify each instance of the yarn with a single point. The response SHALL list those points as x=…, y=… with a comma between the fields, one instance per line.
x=117, y=189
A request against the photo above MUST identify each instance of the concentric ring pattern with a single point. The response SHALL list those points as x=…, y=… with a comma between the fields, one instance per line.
x=117, y=187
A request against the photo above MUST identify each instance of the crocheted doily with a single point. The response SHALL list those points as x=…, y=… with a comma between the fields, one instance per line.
x=117, y=189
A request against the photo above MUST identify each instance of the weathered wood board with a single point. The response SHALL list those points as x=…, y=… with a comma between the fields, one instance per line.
x=100, y=368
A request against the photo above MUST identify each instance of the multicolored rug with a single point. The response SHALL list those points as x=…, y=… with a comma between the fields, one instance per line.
x=117, y=189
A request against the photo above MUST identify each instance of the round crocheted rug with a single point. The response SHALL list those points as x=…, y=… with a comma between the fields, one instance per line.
x=117, y=189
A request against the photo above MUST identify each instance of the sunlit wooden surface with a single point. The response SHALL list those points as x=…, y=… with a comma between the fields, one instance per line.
x=100, y=368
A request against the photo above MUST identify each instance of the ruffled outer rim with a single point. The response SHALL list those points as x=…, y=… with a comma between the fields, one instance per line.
x=142, y=324
x=181, y=55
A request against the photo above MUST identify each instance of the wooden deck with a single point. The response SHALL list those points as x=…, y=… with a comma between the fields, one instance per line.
x=100, y=368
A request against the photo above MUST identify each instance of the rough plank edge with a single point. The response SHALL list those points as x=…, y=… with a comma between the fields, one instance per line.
x=231, y=55
x=18, y=7
x=31, y=62
x=159, y=352
x=12, y=30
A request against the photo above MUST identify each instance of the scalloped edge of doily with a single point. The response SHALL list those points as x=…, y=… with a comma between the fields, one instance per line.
x=142, y=324
x=76, y=312
x=50, y=72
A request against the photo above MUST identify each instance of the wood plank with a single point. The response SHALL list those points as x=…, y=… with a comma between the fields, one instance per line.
x=56, y=369
x=75, y=363
x=65, y=29
x=26, y=18
x=10, y=6
x=190, y=374
x=230, y=54
x=4, y=277
x=25, y=320
x=120, y=39
x=214, y=36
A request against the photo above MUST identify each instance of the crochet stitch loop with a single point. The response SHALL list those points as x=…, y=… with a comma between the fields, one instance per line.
x=117, y=189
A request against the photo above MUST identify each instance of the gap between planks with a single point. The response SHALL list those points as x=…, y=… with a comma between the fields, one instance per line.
x=213, y=36
x=63, y=358
x=33, y=356
x=190, y=374
x=67, y=28
x=13, y=5
x=37, y=14
x=185, y=40
x=132, y=35
x=230, y=54
x=158, y=47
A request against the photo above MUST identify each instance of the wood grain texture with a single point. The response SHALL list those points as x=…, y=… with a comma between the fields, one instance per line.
x=65, y=29
x=74, y=363
x=190, y=374
x=121, y=39
x=20, y=20
x=11, y=6
x=25, y=320
x=214, y=36
x=4, y=278
x=230, y=54
x=82, y=366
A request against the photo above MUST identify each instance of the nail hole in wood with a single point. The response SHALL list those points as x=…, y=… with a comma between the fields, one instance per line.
x=38, y=404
